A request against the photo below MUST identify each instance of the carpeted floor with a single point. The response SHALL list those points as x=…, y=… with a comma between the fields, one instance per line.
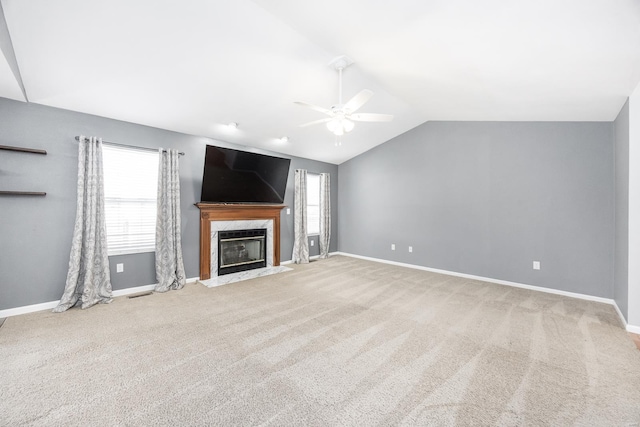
x=336, y=342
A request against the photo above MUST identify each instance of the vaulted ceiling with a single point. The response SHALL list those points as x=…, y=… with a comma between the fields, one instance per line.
x=195, y=65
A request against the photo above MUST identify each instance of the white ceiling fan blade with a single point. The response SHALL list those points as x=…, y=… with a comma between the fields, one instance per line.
x=358, y=101
x=314, y=107
x=371, y=117
x=316, y=122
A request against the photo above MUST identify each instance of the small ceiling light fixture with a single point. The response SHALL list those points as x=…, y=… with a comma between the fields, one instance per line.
x=284, y=139
x=233, y=125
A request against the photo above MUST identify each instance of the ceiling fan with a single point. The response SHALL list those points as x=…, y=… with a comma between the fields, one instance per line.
x=342, y=116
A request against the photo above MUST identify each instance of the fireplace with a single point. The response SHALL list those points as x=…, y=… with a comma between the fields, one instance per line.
x=217, y=218
x=241, y=250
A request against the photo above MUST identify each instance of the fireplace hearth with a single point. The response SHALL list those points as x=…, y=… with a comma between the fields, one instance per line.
x=241, y=250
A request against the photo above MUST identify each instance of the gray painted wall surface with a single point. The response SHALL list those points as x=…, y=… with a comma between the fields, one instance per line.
x=621, y=268
x=487, y=199
x=35, y=232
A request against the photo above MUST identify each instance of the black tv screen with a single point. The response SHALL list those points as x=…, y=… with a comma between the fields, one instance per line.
x=233, y=176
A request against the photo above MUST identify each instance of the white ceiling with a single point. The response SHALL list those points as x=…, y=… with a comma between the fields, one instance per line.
x=194, y=65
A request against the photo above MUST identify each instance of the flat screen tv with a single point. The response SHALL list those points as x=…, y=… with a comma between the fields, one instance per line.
x=233, y=176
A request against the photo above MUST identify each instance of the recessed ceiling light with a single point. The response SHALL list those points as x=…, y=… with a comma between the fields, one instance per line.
x=233, y=125
x=284, y=139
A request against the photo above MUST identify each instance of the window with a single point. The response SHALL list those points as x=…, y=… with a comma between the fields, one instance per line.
x=130, y=194
x=313, y=204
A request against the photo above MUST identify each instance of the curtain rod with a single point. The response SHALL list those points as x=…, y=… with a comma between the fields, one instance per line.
x=129, y=146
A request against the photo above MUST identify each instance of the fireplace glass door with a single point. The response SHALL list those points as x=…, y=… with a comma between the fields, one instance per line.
x=241, y=250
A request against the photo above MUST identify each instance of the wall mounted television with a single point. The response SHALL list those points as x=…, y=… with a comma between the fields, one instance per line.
x=233, y=176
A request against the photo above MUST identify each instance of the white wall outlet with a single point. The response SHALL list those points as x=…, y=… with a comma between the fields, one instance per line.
x=393, y=246
x=288, y=211
x=119, y=268
x=536, y=265
x=410, y=248
x=312, y=242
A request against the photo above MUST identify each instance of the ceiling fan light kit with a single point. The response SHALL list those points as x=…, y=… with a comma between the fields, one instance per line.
x=340, y=126
x=341, y=116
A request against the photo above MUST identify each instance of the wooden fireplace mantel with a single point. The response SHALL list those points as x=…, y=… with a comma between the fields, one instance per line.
x=234, y=212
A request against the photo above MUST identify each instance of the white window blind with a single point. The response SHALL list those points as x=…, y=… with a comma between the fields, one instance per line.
x=313, y=204
x=130, y=187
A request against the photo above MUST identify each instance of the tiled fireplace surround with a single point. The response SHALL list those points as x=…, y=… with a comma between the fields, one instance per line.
x=217, y=217
x=217, y=226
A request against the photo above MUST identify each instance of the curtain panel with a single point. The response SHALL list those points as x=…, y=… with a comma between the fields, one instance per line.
x=169, y=264
x=325, y=215
x=88, y=279
x=300, y=242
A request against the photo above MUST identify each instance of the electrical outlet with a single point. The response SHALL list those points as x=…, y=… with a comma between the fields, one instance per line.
x=536, y=265
x=410, y=248
x=312, y=242
x=288, y=211
x=119, y=268
x=393, y=246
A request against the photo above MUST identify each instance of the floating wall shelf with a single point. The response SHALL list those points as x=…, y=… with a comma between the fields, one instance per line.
x=22, y=193
x=22, y=150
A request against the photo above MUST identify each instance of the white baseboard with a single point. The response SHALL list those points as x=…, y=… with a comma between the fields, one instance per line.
x=9, y=312
x=134, y=290
x=145, y=288
x=311, y=258
x=486, y=279
x=631, y=328
x=620, y=315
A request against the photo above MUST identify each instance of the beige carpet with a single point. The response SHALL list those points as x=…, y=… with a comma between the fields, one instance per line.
x=336, y=342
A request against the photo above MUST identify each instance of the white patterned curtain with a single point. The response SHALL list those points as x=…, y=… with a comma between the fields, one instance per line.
x=88, y=279
x=300, y=240
x=169, y=265
x=325, y=215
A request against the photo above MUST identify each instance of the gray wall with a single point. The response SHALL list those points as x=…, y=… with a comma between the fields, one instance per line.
x=621, y=269
x=35, y=232
x=487, y=199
